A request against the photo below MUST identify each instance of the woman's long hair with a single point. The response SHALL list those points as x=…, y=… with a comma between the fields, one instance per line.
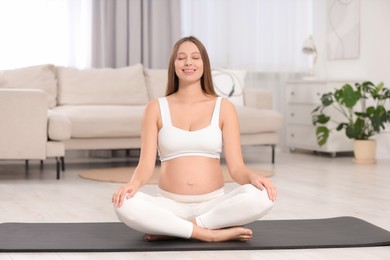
x=206, y=79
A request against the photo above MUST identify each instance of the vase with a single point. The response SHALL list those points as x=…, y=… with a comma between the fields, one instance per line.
x=364, y=151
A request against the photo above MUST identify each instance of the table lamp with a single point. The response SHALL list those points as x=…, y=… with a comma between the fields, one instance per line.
x=309, y=48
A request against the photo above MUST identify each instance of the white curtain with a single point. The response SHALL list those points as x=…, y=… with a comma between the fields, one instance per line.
x=45, y=31
x=259, y=35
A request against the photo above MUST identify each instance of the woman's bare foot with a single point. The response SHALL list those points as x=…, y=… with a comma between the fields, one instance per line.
x=218, y=235
x=210, y=235
x=152, y=238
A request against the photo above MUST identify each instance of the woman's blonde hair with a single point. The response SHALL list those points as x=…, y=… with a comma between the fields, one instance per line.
x=206, y=79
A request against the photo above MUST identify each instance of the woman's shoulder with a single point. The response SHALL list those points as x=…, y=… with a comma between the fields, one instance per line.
x=152, y=103
x=227, y=105
x=152, y=107
x=227, y=110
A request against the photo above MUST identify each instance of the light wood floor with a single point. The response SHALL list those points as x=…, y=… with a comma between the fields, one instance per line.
x=310, y=186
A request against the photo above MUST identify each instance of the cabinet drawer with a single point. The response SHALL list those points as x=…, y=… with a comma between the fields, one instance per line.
x=302, y=136
x=300, y=114
x=298, y=93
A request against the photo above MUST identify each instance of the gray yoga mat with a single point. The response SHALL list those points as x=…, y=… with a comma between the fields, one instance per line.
x=116, y=237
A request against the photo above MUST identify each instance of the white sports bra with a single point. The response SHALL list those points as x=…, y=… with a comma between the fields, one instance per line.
x=174, y=142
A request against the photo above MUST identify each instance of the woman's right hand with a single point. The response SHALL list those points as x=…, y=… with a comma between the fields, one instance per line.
x=126, y=191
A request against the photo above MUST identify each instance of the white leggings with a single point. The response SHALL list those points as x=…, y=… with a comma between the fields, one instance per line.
x=171, y=214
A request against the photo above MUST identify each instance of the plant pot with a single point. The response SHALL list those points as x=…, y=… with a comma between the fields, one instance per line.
x=364, y=151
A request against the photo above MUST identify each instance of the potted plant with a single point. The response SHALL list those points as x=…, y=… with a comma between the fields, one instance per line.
x=362, y=108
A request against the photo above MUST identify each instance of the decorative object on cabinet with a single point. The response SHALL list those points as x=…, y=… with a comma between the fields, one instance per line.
x=302, y=97
x=343, y=29
x=309, y=48
x=362, y=107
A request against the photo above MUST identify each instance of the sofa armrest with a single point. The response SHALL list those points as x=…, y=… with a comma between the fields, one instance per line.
x=23, y=131
x=58, y=126
x=258, y=98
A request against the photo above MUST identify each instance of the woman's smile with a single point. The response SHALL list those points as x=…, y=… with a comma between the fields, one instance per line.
x=189, y=71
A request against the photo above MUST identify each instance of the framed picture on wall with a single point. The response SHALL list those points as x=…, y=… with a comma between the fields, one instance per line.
x=343, y=29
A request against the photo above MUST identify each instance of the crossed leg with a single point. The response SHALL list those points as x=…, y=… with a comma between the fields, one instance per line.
x=210, y=235
x=163, y=218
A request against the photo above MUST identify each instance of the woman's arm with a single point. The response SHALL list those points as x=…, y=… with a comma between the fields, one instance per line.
x=232, y=148
x=144, y=170
x=147, y=160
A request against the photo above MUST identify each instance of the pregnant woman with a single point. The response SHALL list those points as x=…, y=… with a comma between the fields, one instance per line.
x=188, y=128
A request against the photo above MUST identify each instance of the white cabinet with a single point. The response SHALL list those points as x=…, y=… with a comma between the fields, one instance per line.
x=303, y=96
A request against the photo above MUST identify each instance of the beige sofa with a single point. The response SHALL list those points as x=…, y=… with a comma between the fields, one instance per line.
x=102, y=109
x=23, y=130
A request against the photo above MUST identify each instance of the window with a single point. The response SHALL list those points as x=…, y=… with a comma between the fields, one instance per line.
x=44, y=31
x=259, y=35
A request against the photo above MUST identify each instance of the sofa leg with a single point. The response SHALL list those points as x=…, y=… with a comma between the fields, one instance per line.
x=26, y=167
x=63, y=163
x=58, y=166
x=273, y=154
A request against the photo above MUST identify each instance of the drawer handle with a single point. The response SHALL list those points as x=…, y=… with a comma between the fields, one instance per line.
x=292, y=114
x=292, y=93
x=318, y=94
x=292, y=135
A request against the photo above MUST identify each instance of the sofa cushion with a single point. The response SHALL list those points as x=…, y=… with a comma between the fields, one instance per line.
x=106, y=86
x=156, y=82
x=254, y=120
x=103, y=121
x=58, y=126
x=229, y=84
x=35, y=77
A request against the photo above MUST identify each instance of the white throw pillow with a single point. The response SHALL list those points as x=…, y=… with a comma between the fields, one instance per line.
x=156, y=82
x=34, y=77
x=102, y=86
x=229, y=84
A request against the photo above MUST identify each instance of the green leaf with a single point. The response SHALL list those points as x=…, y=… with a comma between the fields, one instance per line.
x=377, y=117
x=376, y=92
x=356, y=130
x=327, y=99
x=316, y=109
x=320, y=119
x=347, y=96
x=341, y=126
x=361, y=114
x=322, y=134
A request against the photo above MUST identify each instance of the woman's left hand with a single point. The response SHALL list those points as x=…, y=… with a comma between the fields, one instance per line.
x=263, y=182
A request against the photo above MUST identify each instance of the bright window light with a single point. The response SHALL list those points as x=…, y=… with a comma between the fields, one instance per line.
x=44, y=31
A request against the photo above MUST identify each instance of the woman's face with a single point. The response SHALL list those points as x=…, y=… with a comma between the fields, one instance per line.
x=188, y=63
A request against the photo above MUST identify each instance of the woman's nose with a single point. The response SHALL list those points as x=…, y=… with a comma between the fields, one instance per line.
x=188, y=62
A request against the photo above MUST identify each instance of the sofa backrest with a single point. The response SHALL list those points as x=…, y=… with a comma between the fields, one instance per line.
x=102, y=86
x=133, y=85
x=41, y=77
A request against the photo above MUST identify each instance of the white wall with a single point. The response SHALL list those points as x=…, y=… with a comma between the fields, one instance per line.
x=373, y=63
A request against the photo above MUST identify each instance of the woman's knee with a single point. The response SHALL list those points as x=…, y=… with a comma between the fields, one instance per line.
x=129, y=209
x=258, y=200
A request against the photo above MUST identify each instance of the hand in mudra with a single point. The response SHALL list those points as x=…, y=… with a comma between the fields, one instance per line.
x=126, y=191
x=263, y=182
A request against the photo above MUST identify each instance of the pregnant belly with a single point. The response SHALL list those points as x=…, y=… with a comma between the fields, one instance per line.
x=191, y=175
